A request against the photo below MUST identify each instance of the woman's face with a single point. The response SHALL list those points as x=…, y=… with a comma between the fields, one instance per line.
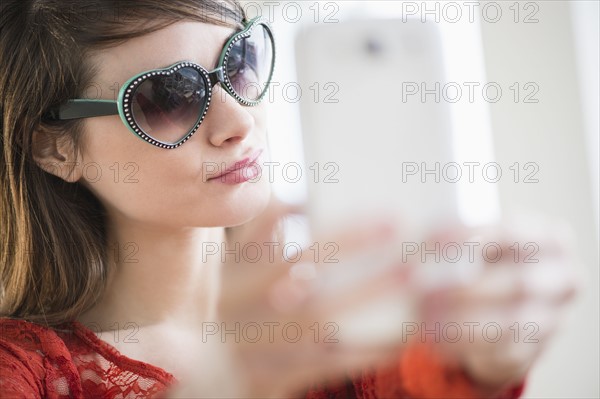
x=140, y=182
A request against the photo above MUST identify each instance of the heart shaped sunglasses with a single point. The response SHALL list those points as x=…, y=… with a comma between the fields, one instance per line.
x=166, y=106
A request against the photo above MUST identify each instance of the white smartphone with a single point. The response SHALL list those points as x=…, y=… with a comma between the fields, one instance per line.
x=375, y=138
x=374, y=135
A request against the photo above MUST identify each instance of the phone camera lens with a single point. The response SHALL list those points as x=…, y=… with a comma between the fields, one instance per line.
x=373, y=46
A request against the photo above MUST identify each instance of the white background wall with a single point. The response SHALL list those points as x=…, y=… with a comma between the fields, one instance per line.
x=559, y=53
x=552, y=133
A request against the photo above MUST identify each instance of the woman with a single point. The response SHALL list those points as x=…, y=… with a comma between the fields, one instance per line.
x=110, y=210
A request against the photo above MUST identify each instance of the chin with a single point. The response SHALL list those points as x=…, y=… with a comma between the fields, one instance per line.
x=249, y=210
x=240, y=209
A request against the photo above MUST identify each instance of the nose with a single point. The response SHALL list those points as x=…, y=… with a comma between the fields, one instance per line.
x=227, y=121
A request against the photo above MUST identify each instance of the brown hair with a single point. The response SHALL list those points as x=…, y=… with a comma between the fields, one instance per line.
x=52, y=233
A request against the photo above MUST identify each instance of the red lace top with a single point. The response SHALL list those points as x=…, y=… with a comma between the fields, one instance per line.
x=72, y=362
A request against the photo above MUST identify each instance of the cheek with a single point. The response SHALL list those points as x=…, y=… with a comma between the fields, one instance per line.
x=259, y=113
x=140, y=182
x=118, y=160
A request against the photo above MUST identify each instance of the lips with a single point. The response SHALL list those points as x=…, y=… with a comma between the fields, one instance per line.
x=240, y=171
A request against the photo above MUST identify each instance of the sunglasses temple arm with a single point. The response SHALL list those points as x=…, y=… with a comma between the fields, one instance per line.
x=76, y=109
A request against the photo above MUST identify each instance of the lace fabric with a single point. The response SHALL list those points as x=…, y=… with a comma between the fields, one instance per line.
x=71, y=362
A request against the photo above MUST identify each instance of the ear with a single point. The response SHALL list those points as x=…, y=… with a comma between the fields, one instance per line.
x=55, y=154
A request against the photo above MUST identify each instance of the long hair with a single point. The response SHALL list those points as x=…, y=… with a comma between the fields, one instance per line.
x=53, y=261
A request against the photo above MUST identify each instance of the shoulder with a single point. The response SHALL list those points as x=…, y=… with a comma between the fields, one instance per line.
x=21, y=358
x=28, y=354
x=29, y=336
x=21, y=336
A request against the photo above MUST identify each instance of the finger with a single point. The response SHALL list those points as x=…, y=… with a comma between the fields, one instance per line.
x=287, y=294
x=356, y=236
x=374, y=311
x=512, y=241
x=262, y=238
x=530, y=322
x=273, y=283
x=547, y=283
x=551, y=282
x=326, y=263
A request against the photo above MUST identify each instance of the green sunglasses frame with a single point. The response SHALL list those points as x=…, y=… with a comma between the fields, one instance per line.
x=89, y=108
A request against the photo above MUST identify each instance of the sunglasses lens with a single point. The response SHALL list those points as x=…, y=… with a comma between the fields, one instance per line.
x=167, y=107
x=250, y=63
